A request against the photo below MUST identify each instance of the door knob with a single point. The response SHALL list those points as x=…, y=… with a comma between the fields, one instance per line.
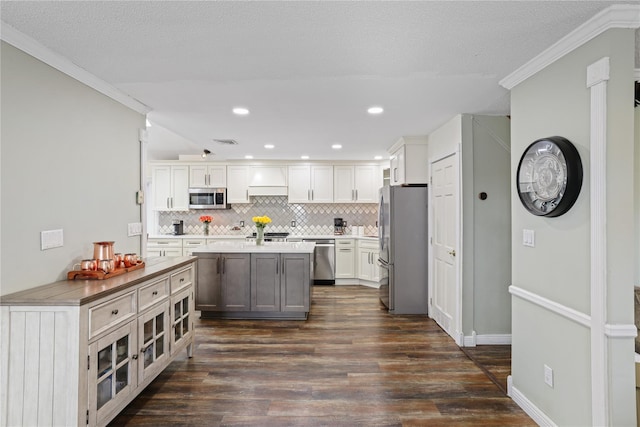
x=452, y=252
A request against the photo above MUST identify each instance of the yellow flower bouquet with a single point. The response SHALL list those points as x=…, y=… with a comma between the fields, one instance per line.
x=261, y=221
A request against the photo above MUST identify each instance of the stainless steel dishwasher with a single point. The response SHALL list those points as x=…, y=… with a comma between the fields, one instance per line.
x=324, y=261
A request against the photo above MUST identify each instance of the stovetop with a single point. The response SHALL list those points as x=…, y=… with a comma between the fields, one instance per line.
x=282, y=235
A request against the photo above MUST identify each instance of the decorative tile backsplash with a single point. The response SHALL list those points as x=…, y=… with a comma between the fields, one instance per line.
x=311, y=219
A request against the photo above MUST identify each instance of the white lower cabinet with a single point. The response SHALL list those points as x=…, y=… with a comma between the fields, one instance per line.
x=94, y=353
x=368, y=268
x=345, y=259
x=164, y=247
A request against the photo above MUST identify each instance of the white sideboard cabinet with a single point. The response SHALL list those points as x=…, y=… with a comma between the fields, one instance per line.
x=75, y=353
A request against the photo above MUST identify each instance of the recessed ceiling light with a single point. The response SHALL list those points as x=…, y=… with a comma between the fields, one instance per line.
x=304, y=157
x=375, y=110
x=241, y=111
x=336, y=146
x=377, y=158
x=269, y=146
x=248, y=156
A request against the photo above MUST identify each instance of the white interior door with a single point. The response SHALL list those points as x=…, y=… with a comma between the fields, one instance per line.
x=444, y=190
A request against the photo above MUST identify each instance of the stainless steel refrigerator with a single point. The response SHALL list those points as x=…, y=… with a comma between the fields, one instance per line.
x=403, y=240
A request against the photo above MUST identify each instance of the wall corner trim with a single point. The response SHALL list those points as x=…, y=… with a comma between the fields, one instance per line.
x=615, y=16
x=62, y=64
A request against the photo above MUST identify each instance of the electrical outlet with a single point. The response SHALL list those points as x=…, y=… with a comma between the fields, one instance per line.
x=134, y=229
x=293, y=223
x=241, y=223
x=51, y=239
x=548, y=376
x=140, y=197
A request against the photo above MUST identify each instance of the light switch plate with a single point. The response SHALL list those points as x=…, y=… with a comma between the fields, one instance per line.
x=548, y=376
x=51, y=239
x=134, y=229
x=529, y=238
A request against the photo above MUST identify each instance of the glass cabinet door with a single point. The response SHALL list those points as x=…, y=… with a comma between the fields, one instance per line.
x=182, y=320
x=112, y=370
x=153, y=334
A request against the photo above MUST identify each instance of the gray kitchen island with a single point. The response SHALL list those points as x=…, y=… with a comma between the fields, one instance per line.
x=241, y=280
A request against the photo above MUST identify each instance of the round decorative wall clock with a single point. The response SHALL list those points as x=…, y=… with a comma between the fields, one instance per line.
x=549, y=176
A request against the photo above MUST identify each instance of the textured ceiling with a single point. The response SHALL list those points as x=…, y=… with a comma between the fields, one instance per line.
x=306, y=70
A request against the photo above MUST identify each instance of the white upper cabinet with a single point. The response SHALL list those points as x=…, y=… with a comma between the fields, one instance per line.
x=409, y=161
x=207, y=176
x=310, y=184
x=237, y=184
x=170, y=187
x=356, y=184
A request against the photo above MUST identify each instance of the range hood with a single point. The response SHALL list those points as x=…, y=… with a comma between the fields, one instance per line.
x=268, y=181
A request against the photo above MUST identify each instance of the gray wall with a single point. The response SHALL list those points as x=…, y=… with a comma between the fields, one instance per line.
x=556, y=101
x=487, y=231
x=70, y=160
x=486, y=225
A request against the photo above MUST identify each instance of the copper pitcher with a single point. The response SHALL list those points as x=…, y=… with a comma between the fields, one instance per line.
x=103, y=250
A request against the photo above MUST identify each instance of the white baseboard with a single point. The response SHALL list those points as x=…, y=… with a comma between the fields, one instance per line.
x=527, y=406
x=352, y=282
x=486, y=339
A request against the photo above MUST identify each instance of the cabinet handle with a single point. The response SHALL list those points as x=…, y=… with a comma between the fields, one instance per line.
x=312, y=194
x=345, y=250
x=168, y=207
x=154, y=293
x=308, y=194
x=114, y=312
x=182, y=280
x=134, y=357
x=356, y=194
x=218, y=265
x=277, y=266
x=395, y=174
x=224, y=261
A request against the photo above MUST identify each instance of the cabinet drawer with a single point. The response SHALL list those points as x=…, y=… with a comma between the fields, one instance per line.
x=181, y=279
x=346, y=243
x=152, y=293
x=368, y=244
x=188, y=243
x=165, y=243
x=110, y=313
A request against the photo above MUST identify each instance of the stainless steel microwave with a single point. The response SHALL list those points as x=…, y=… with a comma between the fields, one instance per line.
x=208, y=198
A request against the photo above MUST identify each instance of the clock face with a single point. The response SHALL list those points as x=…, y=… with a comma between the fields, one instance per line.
x=549, y=176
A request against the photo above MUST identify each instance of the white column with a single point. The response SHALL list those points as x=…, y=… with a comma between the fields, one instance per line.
x=597, y=77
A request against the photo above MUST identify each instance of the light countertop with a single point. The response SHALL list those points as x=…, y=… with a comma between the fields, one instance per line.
x=244, y=236
x=251, y=247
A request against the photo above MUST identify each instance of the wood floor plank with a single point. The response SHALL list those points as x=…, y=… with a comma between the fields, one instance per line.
x=349, y=364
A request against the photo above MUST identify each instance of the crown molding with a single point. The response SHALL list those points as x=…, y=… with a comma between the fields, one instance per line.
x=616, y=16
x=62, y=64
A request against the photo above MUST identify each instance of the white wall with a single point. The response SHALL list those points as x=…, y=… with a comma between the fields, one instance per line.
x=556, y=101
x=70, y=160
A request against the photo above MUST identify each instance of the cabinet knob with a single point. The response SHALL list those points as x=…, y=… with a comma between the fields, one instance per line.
x=182, y=280
x=114, y=312
x=134, y=357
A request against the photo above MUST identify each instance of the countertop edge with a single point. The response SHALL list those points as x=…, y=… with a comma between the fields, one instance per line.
x=79, y=292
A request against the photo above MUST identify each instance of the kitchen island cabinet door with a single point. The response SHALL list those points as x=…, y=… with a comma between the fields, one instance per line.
x=265, y=282
x=209, y=287
x=295, y=282
x=153, y=341
x=236, y=282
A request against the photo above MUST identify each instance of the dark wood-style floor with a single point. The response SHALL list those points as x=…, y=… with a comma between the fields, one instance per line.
x=349, y=364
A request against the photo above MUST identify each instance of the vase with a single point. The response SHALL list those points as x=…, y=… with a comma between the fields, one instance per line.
x=206, y=228
x=260, y=236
